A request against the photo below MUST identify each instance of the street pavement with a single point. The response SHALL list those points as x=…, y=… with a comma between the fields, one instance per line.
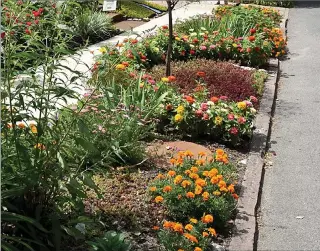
x=290, y=207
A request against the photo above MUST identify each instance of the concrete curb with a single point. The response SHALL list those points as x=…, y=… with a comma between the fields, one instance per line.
x=246, y=232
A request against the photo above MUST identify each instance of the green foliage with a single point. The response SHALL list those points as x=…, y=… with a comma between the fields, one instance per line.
x=277, y=3
x=195, y=23
x=259, y=77
x=93, y=26
x=154, y=5
x=112, y=241
x=134, y=10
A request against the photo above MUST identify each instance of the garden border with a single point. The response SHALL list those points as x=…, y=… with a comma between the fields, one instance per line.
x=245, y=235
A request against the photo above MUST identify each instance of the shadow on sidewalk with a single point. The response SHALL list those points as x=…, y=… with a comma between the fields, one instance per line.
x=307, y=4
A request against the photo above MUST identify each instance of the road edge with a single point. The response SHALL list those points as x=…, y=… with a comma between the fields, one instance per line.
x=245, y=235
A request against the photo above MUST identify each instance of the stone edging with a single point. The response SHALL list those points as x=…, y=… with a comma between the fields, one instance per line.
x=246, y=232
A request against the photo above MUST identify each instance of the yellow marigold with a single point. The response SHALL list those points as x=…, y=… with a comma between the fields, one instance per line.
x=205, y=234
x=187, y=172
x=220, y=177
x=177, y=179
x=242, y=105
x=197, y=249
x=180, y=109
x=223, y=189
x=190, y=195
x=205, y=173
x=188, y=227
x=218, y=120
x=216, y=193
x=171, y=173
x=191, y=237
x=153, y=189
x=213, y=172
x=158, y=199
x=167, y=189
x=222, y=184
x=231, y=188
x=207, y=218
x=33, y=129
x=165, y=80
x=200, y=162
x=194, y=176
x=177, y=38
x=202, y=154
x=212, y=231
x=205, y=196
x=214, y=180
x=200, y=182
x=120, y=66
x=103, y=50
x=193, y=220
x=178, y=118
x=198, y=190
x=188, y=153
x=178, y=228
x=194, y=169
x=219, y=151
x=185, y=183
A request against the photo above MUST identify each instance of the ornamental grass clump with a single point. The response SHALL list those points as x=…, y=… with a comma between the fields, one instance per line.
x=197, y=184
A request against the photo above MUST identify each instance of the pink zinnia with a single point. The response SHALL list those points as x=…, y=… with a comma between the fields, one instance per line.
x=199, y=113
x=212, y=47
x=234, y=130
x=253, y=99
x=241, y=120
x=203, y=47
x=204, y=106
x=205, y=116
x=230, y=116
x=223, y=98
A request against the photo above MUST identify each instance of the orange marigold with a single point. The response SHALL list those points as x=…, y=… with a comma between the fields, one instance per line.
x=198, y=190
x=194, y=176
x=217, y=193
x=156, y=228
x=190, y=195
x=205, y=234
x=160, y=176
x=197, y=249
x=214, y=180
x=185, y=183
x=219, y=152
x=235, y=196
x=200, y=162
x=194, y=169
x=171, y=173
x=188, y=153
x=178, y=228
x=222, y=183
x=153, y=189
x=158, y=199
x=201, y=154
x=200, y=182
x=231, y=188
x=193, y=220
x=167, y=189
x=207, y=218
x=205, y=196
x=212, y=231
x=213, y=172
x=168, y=224
x=191, y=238
x=187, y=172
x=177, y=179
x=188, y=227
x=172, y=78
x=205, y=173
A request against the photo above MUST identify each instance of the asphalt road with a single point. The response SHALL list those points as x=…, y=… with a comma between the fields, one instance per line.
x=291, y=190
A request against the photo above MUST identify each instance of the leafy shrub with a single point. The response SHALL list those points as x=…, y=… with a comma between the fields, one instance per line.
x=93, y=26
x=132, y=9
x=154, y=5
x=196, y=186
x=111, y=241
x=221, y=78
x=278, y=3
x=194, y=236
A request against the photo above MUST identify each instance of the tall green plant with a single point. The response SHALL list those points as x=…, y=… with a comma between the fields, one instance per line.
x=40, y=189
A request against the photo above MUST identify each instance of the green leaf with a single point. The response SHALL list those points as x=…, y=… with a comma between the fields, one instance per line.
x=83, y=127
x=86, y=145
x=61, y=160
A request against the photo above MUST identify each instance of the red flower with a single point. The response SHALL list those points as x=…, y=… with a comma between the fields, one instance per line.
x=199, y=113
x=172, y=78
x=201, y=74
x=189, y=99
x=164, y=27
x=195, y=41
x=134, y=41
x=36, y=21
x=223, y=98
x=132, y=74
x=257, y=49
x=252, y=31
x=36, y=13
x=183, y=53
x=3, y=34
x=215, y=99
x=28, y=31
x=169, y=107
x=204, y=107
x=192, y=52
x=251, y=38
x=241, y=120
x=205, y=116
x=125, y=63
x=230, y=116
x=253, y=99
x=234, y=130
x=28, y=23
x=249, y=50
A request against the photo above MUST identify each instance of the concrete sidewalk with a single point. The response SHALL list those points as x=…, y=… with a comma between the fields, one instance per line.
x=291, y=191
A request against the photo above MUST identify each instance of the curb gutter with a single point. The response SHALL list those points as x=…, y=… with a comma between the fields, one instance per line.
x=246, y=226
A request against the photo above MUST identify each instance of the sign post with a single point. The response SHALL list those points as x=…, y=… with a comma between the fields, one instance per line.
x=109, y=5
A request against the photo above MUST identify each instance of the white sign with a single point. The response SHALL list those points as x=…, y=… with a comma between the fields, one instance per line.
x=109, y=5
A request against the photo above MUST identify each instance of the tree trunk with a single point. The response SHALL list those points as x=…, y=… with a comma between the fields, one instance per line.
x=169, y=51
